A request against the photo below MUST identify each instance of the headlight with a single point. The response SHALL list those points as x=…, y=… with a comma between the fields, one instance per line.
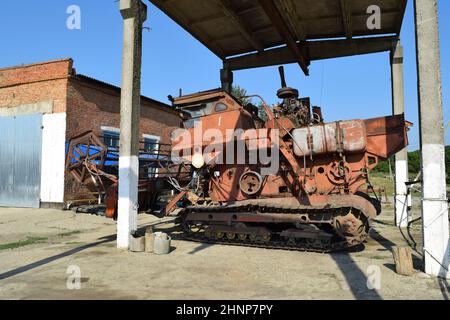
x=198, y=161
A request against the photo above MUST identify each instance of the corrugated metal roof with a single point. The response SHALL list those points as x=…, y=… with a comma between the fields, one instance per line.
x=163, y=106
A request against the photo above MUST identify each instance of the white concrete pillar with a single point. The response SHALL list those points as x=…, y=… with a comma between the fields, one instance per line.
x=401, y=158
x=134, y=13
x=434, y=198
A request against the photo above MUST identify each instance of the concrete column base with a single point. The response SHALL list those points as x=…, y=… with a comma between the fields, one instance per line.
x=128, y=195
x=401, y=210
x=436, y=250
x=401, y=197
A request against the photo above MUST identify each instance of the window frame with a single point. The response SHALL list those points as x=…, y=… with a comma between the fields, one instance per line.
x=112, y=133
x=220, y=104
x=157, y=140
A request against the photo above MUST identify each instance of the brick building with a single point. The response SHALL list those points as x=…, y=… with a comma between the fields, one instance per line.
x=43, y=105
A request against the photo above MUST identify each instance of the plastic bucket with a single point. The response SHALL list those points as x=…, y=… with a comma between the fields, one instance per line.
x=161, y=243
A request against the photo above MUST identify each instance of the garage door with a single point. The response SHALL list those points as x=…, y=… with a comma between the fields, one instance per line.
x=20, y=161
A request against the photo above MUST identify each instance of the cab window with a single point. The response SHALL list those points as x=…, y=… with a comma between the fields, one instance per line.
x=195, y=113
x=220, y=107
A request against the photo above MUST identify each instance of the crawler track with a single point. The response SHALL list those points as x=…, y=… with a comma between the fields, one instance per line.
x=276, y=227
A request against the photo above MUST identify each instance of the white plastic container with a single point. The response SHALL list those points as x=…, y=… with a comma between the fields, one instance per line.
x=137, y=244
x=161, y=243
x=149, y=242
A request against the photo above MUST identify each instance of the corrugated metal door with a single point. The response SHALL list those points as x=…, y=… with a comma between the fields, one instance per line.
x=20, y=161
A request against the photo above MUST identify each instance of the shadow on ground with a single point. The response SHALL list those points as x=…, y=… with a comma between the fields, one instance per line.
x=388, y=245
x=48, y=260
x=356, y=279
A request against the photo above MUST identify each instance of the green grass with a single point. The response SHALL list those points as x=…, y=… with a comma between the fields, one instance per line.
x=378, y=258
x=69, y=233
x=33, y=240
x=22, y=243
x=380, y=180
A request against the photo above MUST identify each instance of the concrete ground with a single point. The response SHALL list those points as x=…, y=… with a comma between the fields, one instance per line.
x=38, y=246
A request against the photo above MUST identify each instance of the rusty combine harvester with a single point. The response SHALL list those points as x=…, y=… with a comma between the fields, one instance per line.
x=305, y=194
x=311, y=202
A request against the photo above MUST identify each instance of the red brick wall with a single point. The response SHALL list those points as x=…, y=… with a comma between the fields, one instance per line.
x=35, y=83
x=89, y=104
x=89, y=107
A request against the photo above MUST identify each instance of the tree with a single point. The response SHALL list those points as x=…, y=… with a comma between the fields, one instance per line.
x=240, y=94
x=414, y=162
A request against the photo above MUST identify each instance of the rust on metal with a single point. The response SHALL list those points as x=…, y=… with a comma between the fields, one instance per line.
x=317, y=193
x=315, y=199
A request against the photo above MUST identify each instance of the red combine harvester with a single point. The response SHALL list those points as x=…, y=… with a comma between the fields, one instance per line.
x=304, y=195
x=281, y=178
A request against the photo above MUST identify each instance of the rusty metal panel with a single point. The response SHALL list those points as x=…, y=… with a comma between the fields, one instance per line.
x=20, y=161
x=386, y=135
x=345, y=136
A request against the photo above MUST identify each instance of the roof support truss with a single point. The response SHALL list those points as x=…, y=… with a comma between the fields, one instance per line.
x=240, y=24
x=289, y=7
x=346, y=11
x=276, y=18
x=313, y=50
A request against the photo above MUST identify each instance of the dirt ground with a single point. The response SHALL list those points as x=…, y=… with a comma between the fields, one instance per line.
x=38, y=246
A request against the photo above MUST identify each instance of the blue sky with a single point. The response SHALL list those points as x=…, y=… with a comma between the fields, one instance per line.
x=346, y=88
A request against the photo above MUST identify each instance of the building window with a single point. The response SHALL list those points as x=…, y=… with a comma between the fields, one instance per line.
x=111, y=137
x=151, y=143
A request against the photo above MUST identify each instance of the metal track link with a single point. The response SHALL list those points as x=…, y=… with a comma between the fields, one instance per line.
x=299, y=245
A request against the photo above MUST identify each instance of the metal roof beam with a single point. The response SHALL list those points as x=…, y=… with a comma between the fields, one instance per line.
x=236, y=35
x=240, y=24
x=289, y=7
x=275, y=16
x=313, y=50
x=346, y=11
x=208, y=19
